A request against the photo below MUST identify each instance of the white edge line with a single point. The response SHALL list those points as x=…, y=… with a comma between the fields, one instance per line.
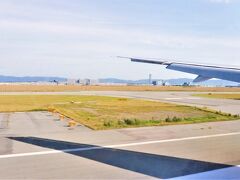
x=113, y=146
x=193, y=98
x=172, y=98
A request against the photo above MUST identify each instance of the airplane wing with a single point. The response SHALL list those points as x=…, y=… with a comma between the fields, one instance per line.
x=204, y=72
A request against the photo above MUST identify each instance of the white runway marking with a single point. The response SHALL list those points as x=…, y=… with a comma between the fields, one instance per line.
x=190, y=98
x=193, y=98
x=113, y=146
x=172, y=98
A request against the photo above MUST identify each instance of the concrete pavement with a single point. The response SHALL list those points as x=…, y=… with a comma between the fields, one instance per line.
x=35, y=145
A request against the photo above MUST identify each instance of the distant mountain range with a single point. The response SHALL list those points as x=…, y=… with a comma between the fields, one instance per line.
x=179, y=81
x=30, y=79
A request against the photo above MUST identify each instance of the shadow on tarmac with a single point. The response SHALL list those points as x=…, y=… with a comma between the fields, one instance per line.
x=158, y=166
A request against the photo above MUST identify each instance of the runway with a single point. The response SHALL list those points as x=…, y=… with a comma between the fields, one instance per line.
x=35, y=145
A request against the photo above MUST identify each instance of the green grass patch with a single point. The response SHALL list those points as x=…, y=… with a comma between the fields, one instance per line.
x=98, y=112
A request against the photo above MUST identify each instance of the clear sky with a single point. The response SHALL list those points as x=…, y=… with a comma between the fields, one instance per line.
x=81, y=38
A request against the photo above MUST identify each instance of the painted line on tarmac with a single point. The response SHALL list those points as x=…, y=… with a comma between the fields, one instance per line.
x=190, y=98
x=113, y=146
x=172, y=98
x=193, y=98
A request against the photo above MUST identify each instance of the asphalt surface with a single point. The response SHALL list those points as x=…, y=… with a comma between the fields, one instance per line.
x=36, y=145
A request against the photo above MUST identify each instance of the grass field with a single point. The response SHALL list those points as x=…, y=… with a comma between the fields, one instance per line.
x=65, y=88
x=220, y=96
x=108, y=112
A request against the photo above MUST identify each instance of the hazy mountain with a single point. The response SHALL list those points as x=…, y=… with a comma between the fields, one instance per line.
x=30, y=79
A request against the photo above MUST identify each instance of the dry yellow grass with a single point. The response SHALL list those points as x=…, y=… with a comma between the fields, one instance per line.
x=99, y=112
x=220, y=96
x=66, y=88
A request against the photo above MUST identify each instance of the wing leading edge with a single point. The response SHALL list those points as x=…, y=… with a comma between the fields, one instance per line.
x=204, y=72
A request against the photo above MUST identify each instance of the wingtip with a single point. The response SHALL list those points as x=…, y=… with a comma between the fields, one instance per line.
x=123, y=57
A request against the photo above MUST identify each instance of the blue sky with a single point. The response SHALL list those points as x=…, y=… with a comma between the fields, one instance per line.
x=81, y=38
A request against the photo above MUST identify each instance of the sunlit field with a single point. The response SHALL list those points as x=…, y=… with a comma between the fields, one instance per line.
x=220, y=96
x=99, y=113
